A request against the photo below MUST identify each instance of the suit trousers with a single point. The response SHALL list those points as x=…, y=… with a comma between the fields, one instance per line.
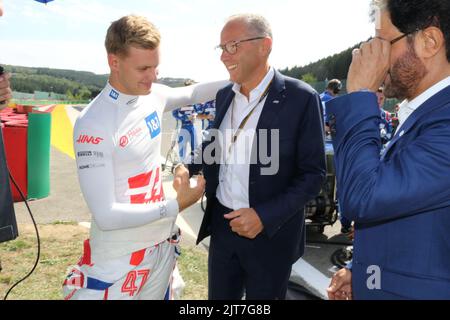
x=238, y=266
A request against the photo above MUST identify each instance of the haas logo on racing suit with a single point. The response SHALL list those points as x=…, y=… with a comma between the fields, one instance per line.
x=146, y=188
x=85, y=139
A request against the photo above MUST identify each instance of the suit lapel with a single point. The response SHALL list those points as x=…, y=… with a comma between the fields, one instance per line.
x=223, y=108
x=274, y=101
x=437, y=101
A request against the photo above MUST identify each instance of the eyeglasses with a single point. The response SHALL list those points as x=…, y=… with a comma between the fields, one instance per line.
x=231, y=47
x=400, y=37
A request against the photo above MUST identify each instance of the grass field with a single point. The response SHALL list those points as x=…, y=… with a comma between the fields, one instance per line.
x=61, y=246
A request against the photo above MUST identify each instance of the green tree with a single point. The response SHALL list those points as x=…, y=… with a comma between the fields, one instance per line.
x=69, y=95
x=309, y=78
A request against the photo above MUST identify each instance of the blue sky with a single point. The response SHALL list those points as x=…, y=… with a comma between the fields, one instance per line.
x=69, y=34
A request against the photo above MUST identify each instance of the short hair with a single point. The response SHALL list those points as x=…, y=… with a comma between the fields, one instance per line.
x=131, y=30
x=256, y=24
x=411, y=15
x=335, y=85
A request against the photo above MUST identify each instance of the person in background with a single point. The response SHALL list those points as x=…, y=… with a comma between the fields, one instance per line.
x=332, y=90
x=395, y=119
x=187, y=134
x=386, y=128
x=206, y=112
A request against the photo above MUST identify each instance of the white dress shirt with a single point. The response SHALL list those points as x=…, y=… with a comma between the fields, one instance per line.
x=234, y=175
x=408, y=107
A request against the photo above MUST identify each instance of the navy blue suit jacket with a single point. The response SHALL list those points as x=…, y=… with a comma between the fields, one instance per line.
x=400, y=201
x=293, y=108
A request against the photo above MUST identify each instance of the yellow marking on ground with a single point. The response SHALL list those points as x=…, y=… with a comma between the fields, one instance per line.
x=62, y=131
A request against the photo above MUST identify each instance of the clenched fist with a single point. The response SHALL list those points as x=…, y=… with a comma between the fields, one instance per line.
x=187, y=195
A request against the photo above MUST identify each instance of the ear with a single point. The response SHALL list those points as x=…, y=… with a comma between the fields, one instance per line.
x=266, y=48
x=113, y=61
x=432, y=42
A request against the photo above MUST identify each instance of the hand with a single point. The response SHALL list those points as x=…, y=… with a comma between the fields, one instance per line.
x=341, y=285
x=5, y=90
x=369, y=66
x=351, y=235
x=187, y=196
x=245, y=222
x=182, y=172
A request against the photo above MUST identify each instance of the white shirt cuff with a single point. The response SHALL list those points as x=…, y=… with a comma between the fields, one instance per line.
x=172, y=208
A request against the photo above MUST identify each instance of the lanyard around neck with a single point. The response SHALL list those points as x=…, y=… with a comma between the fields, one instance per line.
x=247, y=117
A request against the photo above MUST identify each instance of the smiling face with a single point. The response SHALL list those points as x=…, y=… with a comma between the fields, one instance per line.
x=406, y=69
x=135, y=72
x=249, y=64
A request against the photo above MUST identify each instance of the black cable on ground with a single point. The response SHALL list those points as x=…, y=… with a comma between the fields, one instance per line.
x=37, y=236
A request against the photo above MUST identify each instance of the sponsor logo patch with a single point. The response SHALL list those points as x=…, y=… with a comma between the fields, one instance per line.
x=123, y=141
x=85, y=154
x=114, y=94
x=85, y=139
x=153, y=124
x=96, y=154
x=146, y=188
x=91, y=166
x=130, y=136
x=132, y=101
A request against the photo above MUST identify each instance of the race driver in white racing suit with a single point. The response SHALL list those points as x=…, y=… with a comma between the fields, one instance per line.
x=132, y=248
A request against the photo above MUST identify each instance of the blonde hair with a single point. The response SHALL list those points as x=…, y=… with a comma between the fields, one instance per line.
x=134, y=31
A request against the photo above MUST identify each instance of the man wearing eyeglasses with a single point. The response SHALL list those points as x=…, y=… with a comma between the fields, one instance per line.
x=255, y=217
x=400, y=202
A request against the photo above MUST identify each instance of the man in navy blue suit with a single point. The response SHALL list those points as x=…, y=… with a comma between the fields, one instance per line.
x=400, y=201
x=268, y=145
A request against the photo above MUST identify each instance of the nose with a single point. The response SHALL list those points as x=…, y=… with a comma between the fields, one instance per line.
x=224, y=56
x=154, y=74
